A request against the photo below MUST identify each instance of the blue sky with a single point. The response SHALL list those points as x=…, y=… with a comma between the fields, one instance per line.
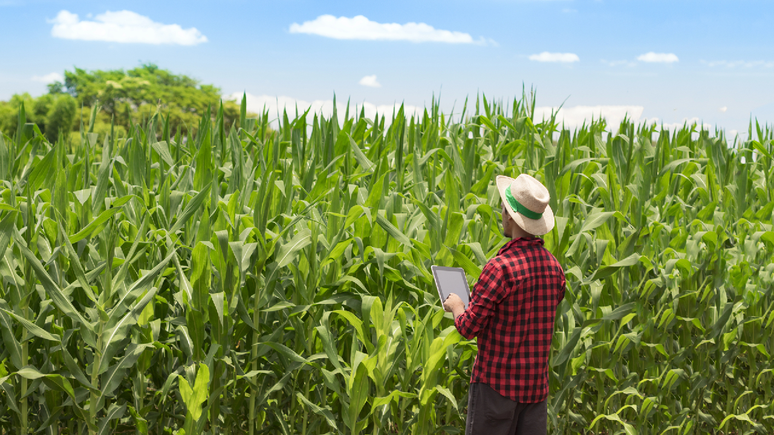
x=666, y=60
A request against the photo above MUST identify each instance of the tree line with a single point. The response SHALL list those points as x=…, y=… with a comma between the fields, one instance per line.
x=125, y=98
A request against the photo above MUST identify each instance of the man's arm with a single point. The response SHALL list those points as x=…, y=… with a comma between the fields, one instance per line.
x=487, y=293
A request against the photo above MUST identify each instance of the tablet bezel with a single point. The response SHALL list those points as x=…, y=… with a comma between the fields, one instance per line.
x=450, y=269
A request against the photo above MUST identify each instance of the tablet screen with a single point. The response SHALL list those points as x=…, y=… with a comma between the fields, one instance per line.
x=451, y=280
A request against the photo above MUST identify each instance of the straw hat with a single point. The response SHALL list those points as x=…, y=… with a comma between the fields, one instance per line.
x=526, y=200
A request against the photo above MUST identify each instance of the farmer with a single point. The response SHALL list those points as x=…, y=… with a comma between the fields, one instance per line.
x=511, y=311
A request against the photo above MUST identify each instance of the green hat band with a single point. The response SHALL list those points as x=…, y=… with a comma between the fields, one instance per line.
x=516, y=206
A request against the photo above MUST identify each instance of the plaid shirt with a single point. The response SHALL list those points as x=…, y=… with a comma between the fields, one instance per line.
x=512, y=312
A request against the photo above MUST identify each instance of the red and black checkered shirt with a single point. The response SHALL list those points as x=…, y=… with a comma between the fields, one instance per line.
x=511, y=311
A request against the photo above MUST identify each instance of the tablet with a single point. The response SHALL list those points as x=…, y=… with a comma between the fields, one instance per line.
x=451, y=280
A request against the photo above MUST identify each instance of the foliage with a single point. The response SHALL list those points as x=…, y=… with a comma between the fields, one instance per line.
x=125, y=97
x=52, y=113
x=239, y=281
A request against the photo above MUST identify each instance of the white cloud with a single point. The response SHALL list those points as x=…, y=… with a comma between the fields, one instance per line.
x=673, y=127
x=658, y=57
x=573, y=117
x=687, y=122
x=123, y=27
x=276, y=104
x=362, y=28
x=739, y=63
x=49, y=78
x=732, y=135
x=370, y=81
x=615, y=63
x=555, y=57
x=723, y=109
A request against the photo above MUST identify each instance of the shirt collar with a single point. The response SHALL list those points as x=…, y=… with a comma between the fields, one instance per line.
x=521, y=242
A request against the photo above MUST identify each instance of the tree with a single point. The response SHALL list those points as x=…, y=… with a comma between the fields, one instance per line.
x=53, y=113
x=9, y=112
x=60, y=116
x=141, y=91
x=125, y=97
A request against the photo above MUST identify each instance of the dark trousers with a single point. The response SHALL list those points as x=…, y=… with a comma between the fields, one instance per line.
x=489, y=413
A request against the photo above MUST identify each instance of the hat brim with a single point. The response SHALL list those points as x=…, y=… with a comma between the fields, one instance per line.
x=537, y=227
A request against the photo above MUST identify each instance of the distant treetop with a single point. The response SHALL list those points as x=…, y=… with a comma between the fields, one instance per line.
x=127, y=96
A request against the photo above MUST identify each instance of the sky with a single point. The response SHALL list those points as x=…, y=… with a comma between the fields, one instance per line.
x=670, y=62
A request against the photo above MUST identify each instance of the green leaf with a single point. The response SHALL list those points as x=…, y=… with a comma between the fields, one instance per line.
x=52, y=380
x=288, y=251
x=140, y=423
x=7, y=225
x=42, y=170
x=606, y=271
x=114, y=412
x=113, y=377
x=361, y=158
x=32, y=328
x=323, y=412
x=95, y=225
x=358, y=390
x=192, y=207
x=102, y=180
x=60, y=300
x=596, y=220
x=394, y=232
x=242, y=253
x=9, y=340
x=163, y=150
x=194, y=397
x=471, y=269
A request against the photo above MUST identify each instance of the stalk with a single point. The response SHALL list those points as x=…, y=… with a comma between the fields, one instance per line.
x=215, y=409
x=96, y=362
x=24, y=302
x=254, y=356
x=105, y=298
x=402, y=414
x=306, y=394
x=24, y=402
x=139, y=393
x=448, y=413
x=567, y=402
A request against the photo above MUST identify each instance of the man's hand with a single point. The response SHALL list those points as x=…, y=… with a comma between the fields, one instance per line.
x=454, y=305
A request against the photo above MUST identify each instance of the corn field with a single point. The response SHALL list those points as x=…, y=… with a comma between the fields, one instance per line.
x=274, y=277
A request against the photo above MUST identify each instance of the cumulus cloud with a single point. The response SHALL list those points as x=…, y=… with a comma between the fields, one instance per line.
x=723, y=109
x=672, y=127
x=739, y=63
x=615, y=63
x=555, y=57
x=573, y=117
x=370, y=81
x=658, y=57
x=732, y=134
x=276, y=104
x=362, y=28
x=687, y=122
x=49, y=78
x=123, y=27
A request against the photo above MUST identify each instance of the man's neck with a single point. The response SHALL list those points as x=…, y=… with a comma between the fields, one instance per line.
x=517, y=232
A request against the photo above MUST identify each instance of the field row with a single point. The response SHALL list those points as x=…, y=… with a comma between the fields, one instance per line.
x=274, y=278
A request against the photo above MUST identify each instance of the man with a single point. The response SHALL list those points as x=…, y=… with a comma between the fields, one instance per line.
x=512, y=312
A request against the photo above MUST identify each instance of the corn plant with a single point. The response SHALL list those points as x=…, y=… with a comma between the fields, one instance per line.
x=272, y=276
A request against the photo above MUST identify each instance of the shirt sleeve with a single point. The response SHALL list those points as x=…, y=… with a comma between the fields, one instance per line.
x=560, y=292
x=487, y=293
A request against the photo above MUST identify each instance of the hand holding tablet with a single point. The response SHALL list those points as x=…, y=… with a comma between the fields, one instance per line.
x=450, y=280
